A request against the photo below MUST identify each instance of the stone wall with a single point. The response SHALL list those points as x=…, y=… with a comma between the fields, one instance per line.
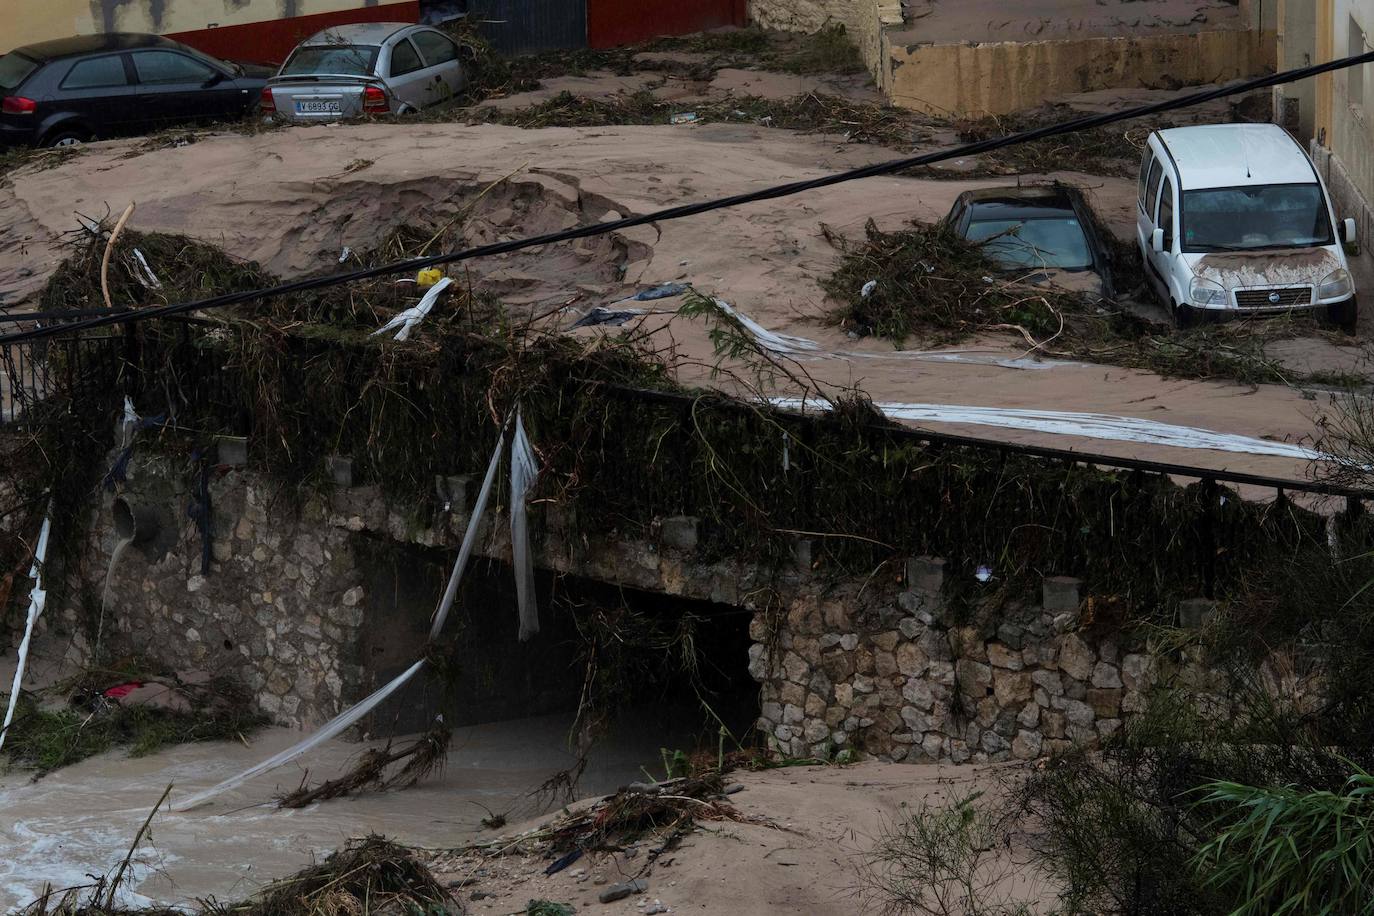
x=904, y=681
x=279, y=610
x=313, y=605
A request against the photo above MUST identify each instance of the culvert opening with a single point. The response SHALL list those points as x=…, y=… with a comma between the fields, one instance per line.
x=608, y=661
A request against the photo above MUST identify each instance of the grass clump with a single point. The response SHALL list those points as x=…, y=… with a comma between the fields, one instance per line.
x=945, y=860
x=45, y=739
x=1291, y=851
x=1171, y=816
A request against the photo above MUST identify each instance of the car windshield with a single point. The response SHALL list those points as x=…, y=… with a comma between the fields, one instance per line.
x=1264, y=216
x=343, y=60
x=1048, y=242
x=14, y=69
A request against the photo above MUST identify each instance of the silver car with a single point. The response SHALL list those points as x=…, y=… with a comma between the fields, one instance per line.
x=369, y=68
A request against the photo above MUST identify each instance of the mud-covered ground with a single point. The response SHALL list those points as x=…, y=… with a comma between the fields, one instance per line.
x=294, y=199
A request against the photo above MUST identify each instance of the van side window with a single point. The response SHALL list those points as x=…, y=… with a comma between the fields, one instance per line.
x=1145, y=165
x=1152, y=188
x=1166, y=215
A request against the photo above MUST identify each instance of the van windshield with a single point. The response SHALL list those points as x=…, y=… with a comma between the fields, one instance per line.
x=1253, y=218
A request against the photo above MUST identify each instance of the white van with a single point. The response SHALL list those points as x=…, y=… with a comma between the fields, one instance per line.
x=1233, y=218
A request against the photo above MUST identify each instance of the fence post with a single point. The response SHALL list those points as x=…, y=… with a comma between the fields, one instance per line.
x=1209, y=537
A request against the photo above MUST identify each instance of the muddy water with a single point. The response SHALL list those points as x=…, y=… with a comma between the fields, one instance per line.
x=79, y=821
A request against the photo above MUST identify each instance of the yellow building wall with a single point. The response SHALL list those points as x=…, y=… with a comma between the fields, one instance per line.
x=29, y=21
x=1346, y=122
x=1002, y=77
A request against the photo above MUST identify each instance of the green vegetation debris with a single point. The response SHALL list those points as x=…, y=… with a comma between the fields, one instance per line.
x=44, y=739
x=935, y=287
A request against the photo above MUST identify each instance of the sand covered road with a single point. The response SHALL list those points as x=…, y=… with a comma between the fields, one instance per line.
x=294, y=199
x=806, y=837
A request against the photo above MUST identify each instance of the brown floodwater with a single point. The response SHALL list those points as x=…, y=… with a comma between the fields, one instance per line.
x=79, y=821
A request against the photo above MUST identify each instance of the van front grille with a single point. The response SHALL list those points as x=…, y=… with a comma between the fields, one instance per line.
x=1273, y=298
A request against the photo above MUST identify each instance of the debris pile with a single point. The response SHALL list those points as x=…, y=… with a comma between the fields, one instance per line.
x=932, y=285
x=653, y=817
x=377, y=770
x=370, y=875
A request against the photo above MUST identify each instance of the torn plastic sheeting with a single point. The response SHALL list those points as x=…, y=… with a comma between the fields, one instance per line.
x=523, y=471
x=38, y=599
x=412, y=316
x=145, y=273
x=330, y=730
x=1087, y=425
x=665, y=291
x=469, y=536
x=804, y=348
x=351, y=715
x=782, y=344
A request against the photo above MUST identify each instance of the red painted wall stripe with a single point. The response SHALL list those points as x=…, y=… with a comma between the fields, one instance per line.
x=269, y=42
x=622, y=22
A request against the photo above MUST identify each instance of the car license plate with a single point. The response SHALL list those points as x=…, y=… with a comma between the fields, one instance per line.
x=318, y=106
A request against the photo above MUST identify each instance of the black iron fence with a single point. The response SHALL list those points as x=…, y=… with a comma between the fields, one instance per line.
x=32, y=372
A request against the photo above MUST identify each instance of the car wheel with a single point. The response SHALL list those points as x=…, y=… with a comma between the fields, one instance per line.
x=66, y=137
x=1344, y=315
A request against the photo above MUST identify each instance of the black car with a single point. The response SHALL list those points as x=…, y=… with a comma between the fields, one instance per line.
x=92, y=87
x=1037, y=231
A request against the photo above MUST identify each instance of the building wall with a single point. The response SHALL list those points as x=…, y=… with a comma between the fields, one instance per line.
x=864, y=20
x=620, y=22
x=1295, y=105
x=40, y=20
x=1350, y=130
x=1002, y=77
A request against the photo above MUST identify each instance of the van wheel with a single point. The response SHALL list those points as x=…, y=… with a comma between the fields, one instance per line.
x=1344, y=315
x=1185, y=316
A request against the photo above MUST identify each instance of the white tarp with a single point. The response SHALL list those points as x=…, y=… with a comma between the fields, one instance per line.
x=38, y=599
x=1090, y=425
x=802, y=348
x=523, y=471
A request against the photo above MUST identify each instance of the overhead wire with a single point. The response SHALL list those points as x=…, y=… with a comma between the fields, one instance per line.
x=888, y=167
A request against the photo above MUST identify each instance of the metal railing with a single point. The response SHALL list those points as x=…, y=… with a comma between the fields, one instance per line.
x=31, y=372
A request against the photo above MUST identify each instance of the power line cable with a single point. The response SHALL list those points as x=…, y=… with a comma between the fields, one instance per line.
x=120, y=316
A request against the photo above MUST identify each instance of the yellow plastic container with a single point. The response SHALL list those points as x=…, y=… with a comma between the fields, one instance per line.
x=429, y=276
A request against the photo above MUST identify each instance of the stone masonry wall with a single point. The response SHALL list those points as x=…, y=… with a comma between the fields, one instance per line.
x=279, y=610
x=901, y=675
x=902, y=682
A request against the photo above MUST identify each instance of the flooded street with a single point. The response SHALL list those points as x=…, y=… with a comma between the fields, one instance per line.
x=79, y=821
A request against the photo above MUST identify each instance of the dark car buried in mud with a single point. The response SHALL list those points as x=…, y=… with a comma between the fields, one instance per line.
x=68, y=91
x=1037, y=234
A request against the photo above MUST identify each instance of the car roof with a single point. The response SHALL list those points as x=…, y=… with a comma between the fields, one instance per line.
x=77, y=45
x=1020, y=203
x=360, y=33
x=1236, y=155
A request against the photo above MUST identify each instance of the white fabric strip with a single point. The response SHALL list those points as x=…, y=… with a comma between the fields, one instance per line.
x=1090, y=425
x=38, y=599
x=523, y=471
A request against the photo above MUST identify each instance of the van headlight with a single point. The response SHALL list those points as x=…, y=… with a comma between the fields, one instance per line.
x=1336, y=285
x=1207, y=292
